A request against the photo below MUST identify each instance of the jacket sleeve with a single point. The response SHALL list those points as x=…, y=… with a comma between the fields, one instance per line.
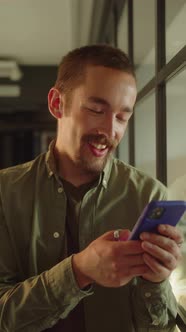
x=155, y=307
x=38, y=302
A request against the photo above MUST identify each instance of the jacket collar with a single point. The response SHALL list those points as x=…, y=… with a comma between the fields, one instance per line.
x=52, y=169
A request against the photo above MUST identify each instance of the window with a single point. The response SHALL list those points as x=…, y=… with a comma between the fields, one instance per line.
x=123, y=149
x=144, y=40
x=175, y=27
x=145, y=135
x=176, y=127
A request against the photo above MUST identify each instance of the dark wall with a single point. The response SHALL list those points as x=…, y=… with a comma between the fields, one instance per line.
x=23, y=120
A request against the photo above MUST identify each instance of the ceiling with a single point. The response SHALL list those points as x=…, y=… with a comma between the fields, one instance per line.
x=39, y=32
x=36, y=34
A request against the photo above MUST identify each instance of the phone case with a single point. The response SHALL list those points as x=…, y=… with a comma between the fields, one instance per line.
x=156, y=213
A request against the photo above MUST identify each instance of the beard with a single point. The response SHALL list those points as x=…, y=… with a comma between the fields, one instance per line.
x=91, y=164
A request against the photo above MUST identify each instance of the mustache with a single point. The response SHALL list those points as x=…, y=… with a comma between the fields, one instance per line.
x=100, y=139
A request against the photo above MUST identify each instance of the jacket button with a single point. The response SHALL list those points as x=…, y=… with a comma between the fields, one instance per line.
x=56, y=235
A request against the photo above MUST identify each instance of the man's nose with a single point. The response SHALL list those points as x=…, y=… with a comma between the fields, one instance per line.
x=109, y=126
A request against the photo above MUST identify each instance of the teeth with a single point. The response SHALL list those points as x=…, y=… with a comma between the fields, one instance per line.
x=99, y=146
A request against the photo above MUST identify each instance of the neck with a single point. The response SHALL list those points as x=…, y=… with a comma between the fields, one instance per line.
x=71, y=172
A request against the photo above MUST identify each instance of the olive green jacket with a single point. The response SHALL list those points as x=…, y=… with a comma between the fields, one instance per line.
x=37, y=284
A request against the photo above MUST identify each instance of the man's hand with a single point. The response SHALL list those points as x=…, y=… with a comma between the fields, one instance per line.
x=162, y=252
x=109, y=263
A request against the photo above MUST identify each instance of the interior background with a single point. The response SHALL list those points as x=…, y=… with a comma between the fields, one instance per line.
x=35, y=34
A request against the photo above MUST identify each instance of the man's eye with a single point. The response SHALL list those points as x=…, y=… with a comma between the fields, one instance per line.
x=95, y=111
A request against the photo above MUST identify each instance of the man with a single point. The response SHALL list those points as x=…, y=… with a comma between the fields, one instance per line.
x=61, y=266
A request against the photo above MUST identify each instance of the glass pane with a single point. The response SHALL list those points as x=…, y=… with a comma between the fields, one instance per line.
x=145, y=135
x=176, y=127
x=144, y=41
x=176, y=168
x=123, y=148
x=175, y=27
x=123, y=30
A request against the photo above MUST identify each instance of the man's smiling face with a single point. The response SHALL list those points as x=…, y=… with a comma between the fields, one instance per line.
x=95, y=121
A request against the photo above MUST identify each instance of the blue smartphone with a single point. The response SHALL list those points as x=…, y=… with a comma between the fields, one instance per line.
x=156, y=213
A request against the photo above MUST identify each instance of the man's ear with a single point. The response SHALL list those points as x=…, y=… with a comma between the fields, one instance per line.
x=55, y=103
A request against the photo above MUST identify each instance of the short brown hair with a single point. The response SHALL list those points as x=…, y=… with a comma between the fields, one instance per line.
x=73, y=65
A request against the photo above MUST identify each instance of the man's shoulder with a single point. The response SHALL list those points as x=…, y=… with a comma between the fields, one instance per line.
x=21, y=170
x=136, y=178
